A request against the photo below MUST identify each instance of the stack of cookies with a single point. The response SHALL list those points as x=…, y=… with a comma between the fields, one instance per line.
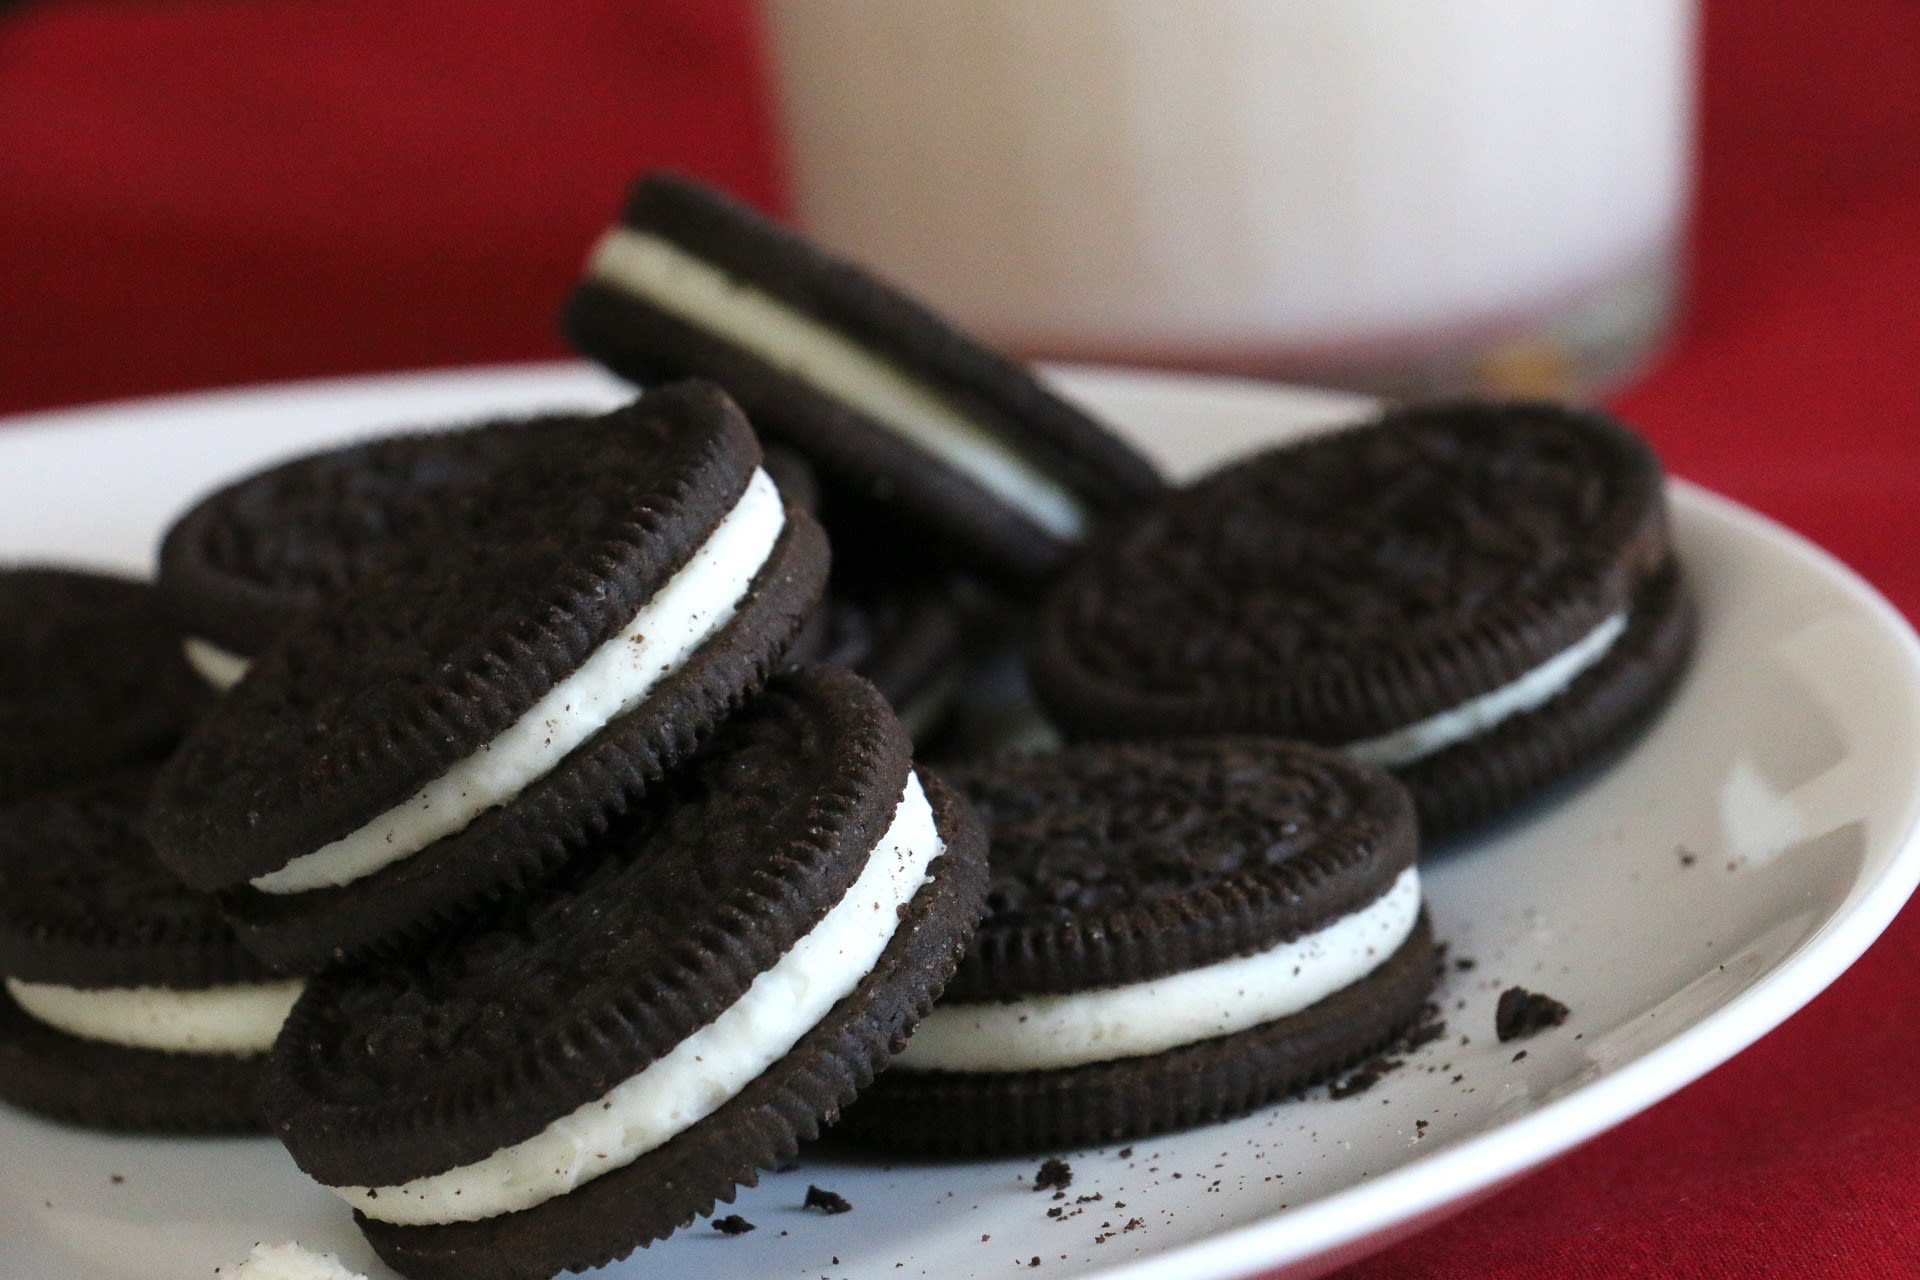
x=556, y=852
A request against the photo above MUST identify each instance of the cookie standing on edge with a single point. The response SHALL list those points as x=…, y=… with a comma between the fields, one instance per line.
x=446, y=735
x=1177, y=932
x=887, y=399
x=128, y=1002
x=620, y=1049
x=91, y=678
x=1480, y=597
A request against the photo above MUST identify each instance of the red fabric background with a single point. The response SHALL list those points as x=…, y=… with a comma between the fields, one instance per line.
x=197, y=193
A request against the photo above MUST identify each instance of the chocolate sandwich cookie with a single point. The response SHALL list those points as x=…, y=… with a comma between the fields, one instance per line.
x=128, y=1003
x=254, y=557
x=1478, y=596
x=248, y=561
x=449, y=732
x=91, y=678
x=886, y=398
x=1177, y=932
x=610, y=1055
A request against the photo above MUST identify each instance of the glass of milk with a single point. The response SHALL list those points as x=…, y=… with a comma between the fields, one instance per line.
x=1400, y=196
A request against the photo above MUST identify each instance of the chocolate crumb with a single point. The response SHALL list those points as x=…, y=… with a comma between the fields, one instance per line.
x=1687, y=857
x=1125, y=1153
x=1035, y=1261
x=732, y=1225
x=117, y=1179
x=1425, y=1033
x=1362, y=1080
x=1523, y=1013
x=825, y=1201
x=1465, y=964
x=1053, y=1173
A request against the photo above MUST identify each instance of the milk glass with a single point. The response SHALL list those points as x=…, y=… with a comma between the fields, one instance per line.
x=1403, y=196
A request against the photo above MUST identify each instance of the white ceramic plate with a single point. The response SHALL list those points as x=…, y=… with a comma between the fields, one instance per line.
x=1683, y=901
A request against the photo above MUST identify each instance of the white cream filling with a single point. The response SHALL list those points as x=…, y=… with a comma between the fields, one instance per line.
x=694, y=604
x=221, y=668
x=290, y=1260
x=656, y=269
x=703, y=1071
x=1532, y=689
x=1049, y=1032
x=237, y=1020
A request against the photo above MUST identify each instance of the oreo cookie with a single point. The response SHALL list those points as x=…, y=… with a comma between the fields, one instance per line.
x=888, y=400
x=91, y=678
x=1480, y=597
x=1177, y=932
x=452, y=729
x=250, y=560
x=612, y=1053
x=127, y=1003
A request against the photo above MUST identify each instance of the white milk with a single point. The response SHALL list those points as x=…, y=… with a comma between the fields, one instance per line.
x=1277, y=185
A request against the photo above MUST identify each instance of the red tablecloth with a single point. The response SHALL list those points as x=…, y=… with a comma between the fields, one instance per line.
x=197, y=193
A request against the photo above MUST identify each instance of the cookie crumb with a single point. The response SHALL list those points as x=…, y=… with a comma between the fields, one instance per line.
x=732, y=1225
x=1362, y=1080
x=1523, y=1013
x=1053, y=1173
x=825, y=1201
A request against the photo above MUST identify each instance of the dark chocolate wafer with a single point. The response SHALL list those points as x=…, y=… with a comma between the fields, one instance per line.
x=1398, y=590
x=409, y=716
x=1177, y=932
x=88, y=916
x=254, y=557
x=890, y=401
x=91, y=677
x=408, y=1070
